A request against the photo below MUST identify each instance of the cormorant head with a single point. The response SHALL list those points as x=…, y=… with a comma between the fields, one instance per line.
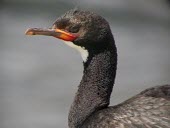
x=82, y=30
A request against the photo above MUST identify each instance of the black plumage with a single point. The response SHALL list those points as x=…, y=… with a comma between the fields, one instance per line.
x=90, y=108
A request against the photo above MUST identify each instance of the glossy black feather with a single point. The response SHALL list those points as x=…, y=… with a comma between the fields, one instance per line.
x=90, y=108
x=149, y=109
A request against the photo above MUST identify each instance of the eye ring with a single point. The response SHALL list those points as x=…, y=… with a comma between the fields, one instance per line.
x=74, y=28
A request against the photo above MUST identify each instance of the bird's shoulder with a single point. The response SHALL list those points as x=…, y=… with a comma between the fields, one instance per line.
x=149, y=109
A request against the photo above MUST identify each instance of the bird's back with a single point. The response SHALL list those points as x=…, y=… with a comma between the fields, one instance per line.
x=149, y=109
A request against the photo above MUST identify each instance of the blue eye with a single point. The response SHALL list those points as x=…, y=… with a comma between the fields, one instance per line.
x=61, y=23
x=74, y=28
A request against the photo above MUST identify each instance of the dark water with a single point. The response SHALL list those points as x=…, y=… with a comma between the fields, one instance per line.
x=39, y=75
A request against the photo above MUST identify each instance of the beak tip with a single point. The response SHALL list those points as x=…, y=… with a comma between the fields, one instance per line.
x=29, y=32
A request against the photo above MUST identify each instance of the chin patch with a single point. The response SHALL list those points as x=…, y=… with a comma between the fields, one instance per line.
x=84, y=53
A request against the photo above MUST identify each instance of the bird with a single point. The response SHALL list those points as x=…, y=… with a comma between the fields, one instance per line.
x=90, y=34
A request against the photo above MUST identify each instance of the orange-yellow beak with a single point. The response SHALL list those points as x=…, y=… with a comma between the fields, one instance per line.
x=58, y=33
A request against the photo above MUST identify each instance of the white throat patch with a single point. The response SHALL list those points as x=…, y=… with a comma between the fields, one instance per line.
x=84, y=53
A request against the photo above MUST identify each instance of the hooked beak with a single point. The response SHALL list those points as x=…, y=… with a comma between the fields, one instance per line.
x=58, y=33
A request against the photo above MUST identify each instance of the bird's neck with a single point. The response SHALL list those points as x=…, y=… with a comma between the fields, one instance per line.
x=96, y=85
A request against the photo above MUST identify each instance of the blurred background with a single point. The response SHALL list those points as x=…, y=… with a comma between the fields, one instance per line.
x=39, y=75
